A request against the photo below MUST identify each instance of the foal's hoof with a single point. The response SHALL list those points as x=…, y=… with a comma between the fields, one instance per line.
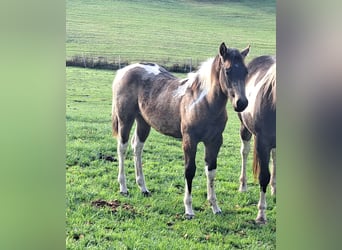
x=260, y=221
x=189, y=216
x=146, y=193
x=218, y=212
x=124, y=193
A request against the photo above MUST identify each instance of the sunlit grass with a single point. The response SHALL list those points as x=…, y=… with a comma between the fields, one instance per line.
x=154, y=222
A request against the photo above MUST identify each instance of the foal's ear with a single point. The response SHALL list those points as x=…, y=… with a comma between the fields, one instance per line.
x=245, y=52
x=222, y=49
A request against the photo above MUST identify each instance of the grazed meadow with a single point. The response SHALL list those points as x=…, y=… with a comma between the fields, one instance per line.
x=144, y=30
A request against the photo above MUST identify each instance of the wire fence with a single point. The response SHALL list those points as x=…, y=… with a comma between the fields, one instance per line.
x=118, y=62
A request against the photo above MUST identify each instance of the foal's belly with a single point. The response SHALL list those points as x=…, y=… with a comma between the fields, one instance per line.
x=164, y=121
x=167, y=127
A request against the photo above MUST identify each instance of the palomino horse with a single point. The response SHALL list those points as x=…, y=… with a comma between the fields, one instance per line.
x=193, y=109
x=259, y=119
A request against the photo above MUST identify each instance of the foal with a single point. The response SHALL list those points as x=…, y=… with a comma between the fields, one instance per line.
x=259, y=119
x=193, y=109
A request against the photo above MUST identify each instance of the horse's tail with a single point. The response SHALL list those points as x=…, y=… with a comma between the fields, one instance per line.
x=115, y=125
x=256, y=163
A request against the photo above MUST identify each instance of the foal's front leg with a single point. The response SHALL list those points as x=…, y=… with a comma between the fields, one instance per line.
x=189, y=149
x=211, y=151
x=245, y=137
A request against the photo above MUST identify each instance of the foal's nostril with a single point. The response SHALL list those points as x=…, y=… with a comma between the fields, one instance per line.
x=241, y=104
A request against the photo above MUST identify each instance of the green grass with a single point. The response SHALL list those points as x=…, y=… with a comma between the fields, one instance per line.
x=154, y=222
x=168, y=31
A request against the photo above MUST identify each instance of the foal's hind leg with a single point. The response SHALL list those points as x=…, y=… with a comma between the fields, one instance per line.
x=263, y=153
x=141, y=132
x=245, y=137
x=211, y=151
x=124, y=128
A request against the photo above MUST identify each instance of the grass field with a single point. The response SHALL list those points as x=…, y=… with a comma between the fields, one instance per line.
x=168, y=31
x=156, y=31
x=155, y=222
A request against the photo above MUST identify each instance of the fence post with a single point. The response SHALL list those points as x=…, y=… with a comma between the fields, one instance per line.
x=119, y=62
x=190, y=65
x=84, y=62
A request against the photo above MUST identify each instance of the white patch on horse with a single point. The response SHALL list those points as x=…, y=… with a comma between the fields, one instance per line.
x=151, y=69
x=180, y=91
x=252, y=91
x=148, y=68
x=199, y=99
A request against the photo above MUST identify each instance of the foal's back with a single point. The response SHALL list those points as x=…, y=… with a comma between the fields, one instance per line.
x=145, y=91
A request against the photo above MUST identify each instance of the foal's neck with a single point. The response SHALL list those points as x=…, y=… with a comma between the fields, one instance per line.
x=215, y=95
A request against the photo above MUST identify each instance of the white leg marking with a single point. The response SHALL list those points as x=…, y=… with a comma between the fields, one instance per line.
x=137, y=146
x=189, y=213
x=121, y=176
x=245, y=148
x=261, y=217
x=273, y=173
x=211, y=191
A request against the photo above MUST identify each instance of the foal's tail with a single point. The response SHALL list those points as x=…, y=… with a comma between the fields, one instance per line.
x=115, y=123
x=256, y=163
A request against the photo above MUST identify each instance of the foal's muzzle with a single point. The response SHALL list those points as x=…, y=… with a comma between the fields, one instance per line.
x=241, y=104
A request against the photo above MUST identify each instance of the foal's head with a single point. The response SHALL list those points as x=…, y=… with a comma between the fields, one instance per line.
x=232, y=75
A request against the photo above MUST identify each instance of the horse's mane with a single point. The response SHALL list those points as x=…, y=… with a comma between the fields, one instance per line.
x=201, y=79
x=269, y=83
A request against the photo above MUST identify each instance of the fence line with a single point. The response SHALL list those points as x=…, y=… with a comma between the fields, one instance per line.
x=117, y=62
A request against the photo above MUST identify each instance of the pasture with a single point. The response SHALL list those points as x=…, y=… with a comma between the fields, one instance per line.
x=97, y=216
x=155, y=222
x=167, y=32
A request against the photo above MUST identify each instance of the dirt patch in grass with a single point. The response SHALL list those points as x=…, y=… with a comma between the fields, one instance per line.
x=113, y=205
x=105, y=157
